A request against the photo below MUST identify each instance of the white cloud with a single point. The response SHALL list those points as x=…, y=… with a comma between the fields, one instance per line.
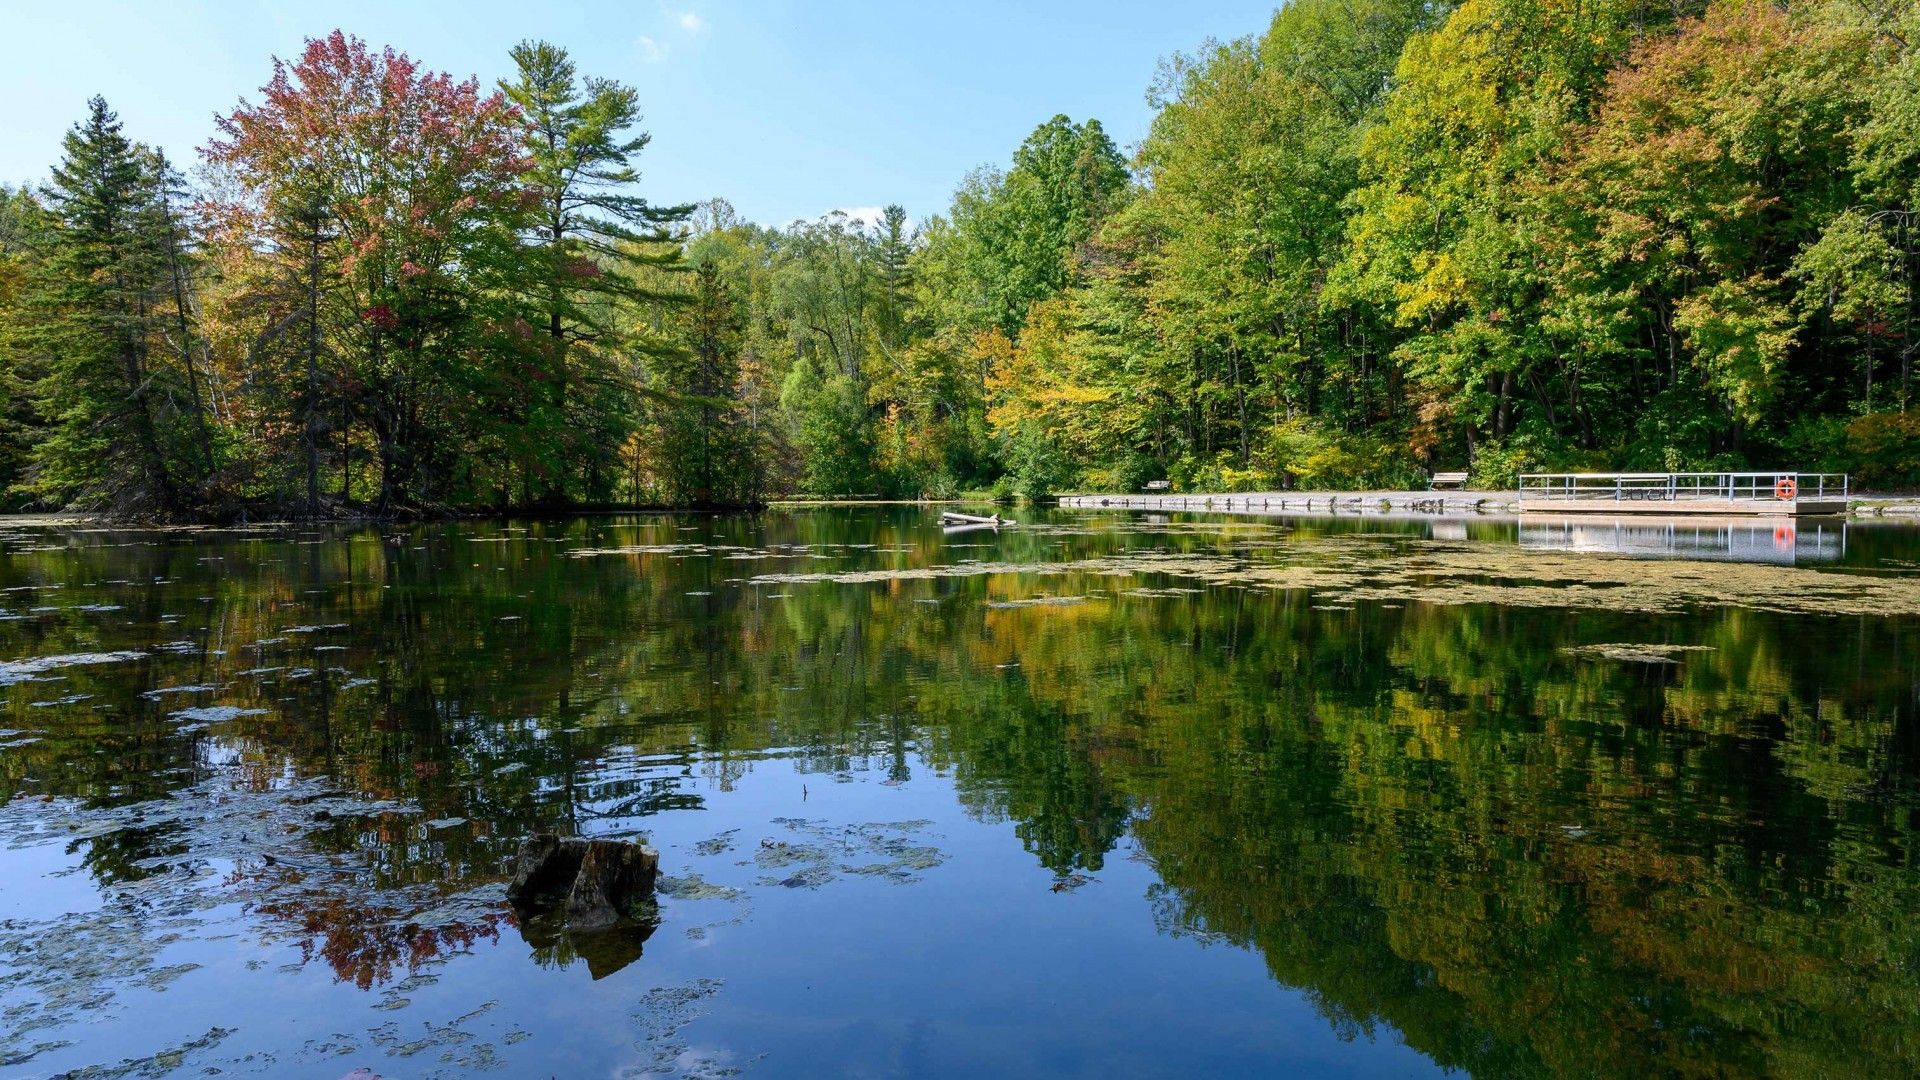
x=690, y=21
x=865, y=215
x=870, y=217
x=651, y=51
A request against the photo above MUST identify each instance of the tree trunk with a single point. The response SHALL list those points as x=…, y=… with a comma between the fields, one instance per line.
x=312, y=436
x=186, y=343
x=153, y=460
x=1503, y=410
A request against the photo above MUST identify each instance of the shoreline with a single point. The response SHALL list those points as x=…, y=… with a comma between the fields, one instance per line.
x=1454, y=503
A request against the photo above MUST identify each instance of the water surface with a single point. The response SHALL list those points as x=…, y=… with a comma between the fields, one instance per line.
x=1109, y=794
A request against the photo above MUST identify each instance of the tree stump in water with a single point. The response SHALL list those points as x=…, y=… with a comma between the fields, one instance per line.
x=597, y=882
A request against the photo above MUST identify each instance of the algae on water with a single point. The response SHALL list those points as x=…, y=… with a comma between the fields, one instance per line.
x=1399, y=569
x=1635, y=654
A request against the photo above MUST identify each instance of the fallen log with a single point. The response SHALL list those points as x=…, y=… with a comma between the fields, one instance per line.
x=949, y=517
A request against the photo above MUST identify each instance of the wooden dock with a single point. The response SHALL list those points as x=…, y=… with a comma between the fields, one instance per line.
x=1771, y=494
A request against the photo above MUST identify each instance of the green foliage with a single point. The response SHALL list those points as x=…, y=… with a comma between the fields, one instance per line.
x=1883, y=450
x=1510, y=234
x=589, y=242
x=1197, y=323
x=831, y=429
x=1376, y=239
x=22, y=220
x=1499, y=465
x=705, y=449
x=116, y=434
x=1037, y=466
x=1013, y=236
x=1333, y=460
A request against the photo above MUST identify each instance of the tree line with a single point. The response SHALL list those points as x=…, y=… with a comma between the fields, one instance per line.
x=1387, y=237
x=387, y=291
x=1391, y=236
x=1378, y=238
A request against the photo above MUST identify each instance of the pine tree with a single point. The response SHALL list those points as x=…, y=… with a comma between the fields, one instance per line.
x=103, y=271
x=894, y=251
x=305, y=232
x=704, y=446
x=590, y=241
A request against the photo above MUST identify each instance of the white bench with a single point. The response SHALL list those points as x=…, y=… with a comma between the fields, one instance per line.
x=1447, y=479
x=1159, y=485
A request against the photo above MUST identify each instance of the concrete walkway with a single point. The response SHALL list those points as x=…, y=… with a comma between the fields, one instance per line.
x=1332, y=502
x=1389, y=502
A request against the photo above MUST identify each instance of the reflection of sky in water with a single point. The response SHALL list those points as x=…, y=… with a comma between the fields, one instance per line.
x=1009, y=821
x=975, y=966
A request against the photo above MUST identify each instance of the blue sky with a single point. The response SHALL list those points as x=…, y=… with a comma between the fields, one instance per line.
x=789, y=109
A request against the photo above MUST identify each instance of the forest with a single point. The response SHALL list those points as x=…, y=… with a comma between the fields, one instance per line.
x=1375, y=238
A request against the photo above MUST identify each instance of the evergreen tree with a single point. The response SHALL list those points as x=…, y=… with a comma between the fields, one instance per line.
x=103, y=273
x=893, y=252
x=590, y=237
x=704, y=449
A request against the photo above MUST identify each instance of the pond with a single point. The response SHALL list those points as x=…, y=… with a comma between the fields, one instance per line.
x=1103, y=794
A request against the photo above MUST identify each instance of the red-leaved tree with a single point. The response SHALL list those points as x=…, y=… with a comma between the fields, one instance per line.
x=406, y=185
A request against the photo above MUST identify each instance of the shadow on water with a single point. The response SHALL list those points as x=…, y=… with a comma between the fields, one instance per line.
x=1523, y=839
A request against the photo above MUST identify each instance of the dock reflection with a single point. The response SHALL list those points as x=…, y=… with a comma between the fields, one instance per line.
x=1781, y=542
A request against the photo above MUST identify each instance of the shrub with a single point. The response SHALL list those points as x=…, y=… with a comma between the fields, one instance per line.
x=1217, y=474
x=1499, y=466
x=1341, y=461
x=1816, y=442
x=1883, y=450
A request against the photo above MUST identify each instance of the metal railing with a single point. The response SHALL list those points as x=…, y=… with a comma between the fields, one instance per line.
x=1673, y=487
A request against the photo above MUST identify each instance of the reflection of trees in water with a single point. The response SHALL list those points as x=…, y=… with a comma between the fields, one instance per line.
x=1026, y=761
x=366, y=943
x=603, y=951
x=1548, y=866
x=1429, y=817
x=130, y=854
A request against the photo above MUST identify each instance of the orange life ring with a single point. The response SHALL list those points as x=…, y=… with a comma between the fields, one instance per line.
x=1785, y=488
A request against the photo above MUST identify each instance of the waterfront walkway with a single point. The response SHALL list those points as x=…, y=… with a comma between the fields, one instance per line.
x=1425, y=502
x=1453, y=502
